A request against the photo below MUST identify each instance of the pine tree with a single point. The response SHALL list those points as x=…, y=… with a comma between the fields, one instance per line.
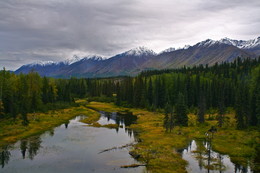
x=150, y=92
x=221, y=108
x=255, y=101
x=221, y=113
x=172, y=119
x=166, y=121
x=118, y=94
x=181, y=111
x=1, y=109
x=240, y=108
x=202, y=109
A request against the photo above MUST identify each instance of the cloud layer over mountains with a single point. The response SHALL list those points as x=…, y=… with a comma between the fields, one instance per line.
x=58, y=29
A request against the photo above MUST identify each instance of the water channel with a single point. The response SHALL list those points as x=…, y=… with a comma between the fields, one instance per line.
x=202, y=159
x=74, y=147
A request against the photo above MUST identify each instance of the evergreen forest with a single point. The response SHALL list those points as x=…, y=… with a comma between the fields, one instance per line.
x=198, y=89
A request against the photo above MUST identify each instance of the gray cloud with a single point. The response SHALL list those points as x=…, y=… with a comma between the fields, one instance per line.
x=56, y=29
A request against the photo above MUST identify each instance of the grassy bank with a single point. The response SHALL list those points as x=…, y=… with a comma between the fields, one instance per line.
x=11, y=131
x=159, y=149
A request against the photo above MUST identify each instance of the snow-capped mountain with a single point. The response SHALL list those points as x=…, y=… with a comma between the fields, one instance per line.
x=138, y=59
x=242, y=44
x=170, y=49
x=72, y=60
x=41, y=63
x=139, y=51
x=75, y=59
x=208, y=43
x=92, y=57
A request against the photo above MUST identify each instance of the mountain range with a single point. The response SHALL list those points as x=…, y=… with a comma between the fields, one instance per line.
x=138, y=59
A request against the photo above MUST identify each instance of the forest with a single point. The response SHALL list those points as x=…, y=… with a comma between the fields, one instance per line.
x=199, y=89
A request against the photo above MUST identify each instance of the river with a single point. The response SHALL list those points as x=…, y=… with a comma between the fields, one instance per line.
x=74, y=147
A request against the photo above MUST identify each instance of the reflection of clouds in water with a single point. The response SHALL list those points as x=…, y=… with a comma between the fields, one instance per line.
x=74, y=148
x=52, y=149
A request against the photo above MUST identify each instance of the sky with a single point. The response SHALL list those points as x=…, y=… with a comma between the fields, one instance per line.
x=55, y=30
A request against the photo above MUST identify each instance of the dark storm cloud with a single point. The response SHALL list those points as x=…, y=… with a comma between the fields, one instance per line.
x=57, y=29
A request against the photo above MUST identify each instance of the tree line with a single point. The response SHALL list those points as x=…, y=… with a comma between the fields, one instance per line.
x=201, y=88
x=177, y=91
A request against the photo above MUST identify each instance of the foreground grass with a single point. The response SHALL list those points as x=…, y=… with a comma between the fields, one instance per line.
x=11, y=131
x=159, y=149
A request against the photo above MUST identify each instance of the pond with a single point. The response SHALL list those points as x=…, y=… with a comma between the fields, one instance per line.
x=75, y=147
x=202, y=159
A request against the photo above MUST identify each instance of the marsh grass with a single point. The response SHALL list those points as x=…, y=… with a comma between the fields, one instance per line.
x=13, y=130
x=158, y=149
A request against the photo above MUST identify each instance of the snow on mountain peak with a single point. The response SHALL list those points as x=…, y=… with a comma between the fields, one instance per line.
x=140, y=51
x=41, y=63
x=171, y=49
x=75, y=58
x=93, y=57
x=72, y=60
x=208, y=43
x=242, y=44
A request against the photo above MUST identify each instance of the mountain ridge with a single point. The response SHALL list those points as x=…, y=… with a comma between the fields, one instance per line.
x=135, y=60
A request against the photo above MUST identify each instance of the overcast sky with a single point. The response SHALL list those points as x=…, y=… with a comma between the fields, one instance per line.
x=35, y=30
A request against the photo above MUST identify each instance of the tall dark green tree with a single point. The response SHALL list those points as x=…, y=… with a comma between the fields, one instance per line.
x=202, y=108
x=150, y=92
x=181, y=117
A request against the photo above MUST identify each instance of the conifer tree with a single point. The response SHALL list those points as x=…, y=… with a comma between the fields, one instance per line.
x=181, y=111
x=166, y=121
x=150, y=92
x=1, y=109
x=202, y=109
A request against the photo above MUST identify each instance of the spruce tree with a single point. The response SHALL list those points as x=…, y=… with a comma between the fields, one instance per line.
x=166, y=121
x=221, y=109
x=1, y=109
x=150, y=92
x=181, y=111
x=202, y=109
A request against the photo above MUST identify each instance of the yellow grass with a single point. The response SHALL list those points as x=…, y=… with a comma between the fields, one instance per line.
x=158, y=148
x=11, y=131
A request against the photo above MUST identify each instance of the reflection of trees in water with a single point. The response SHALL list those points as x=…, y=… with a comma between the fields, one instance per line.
x=30, y=146
x=240, y=169
x=51, y=132
x=210, y=160
x=66, y=125
x=23, y=147
x=4, y=156
x=121, y=119
x=207, y=158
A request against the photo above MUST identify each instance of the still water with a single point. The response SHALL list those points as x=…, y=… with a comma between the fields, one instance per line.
x=202, y=159
x=74, y=147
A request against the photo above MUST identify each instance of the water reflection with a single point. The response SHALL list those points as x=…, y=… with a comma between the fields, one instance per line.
x=29, y=147
x=202, y=158
x=74, y=146
x=123, y=120
x=4, y=156
x=66, y=124
x=120, y=119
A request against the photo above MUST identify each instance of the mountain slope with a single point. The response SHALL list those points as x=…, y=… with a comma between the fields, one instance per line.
x=249, y=45
x=138, y=59
x=43, y=68
x=205, y=52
